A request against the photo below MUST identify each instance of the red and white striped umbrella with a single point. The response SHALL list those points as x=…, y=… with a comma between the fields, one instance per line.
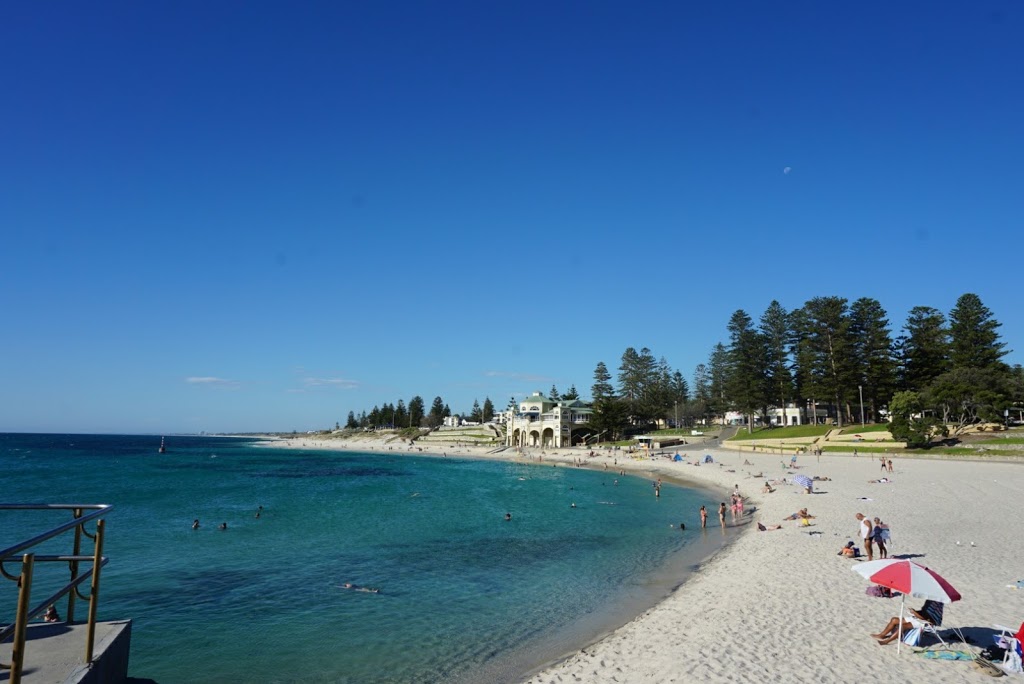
x=909, y=578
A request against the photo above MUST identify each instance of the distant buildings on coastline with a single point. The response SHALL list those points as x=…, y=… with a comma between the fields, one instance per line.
x=779, y=417
x=546, y=423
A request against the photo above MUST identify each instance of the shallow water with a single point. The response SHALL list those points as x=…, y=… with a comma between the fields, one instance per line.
x=464, y=595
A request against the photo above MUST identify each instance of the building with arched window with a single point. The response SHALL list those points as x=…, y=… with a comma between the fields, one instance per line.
x=542, y=422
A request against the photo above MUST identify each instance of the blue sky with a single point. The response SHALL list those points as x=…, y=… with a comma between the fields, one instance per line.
x=259, y=216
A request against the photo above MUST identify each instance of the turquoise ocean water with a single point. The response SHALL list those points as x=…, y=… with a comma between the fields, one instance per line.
x=464, y=595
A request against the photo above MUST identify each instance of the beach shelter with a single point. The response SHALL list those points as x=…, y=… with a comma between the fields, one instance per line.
x=803, y=481
x=708, y=459
x=910, y=578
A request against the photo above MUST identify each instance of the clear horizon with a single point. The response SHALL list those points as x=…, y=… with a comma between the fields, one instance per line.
x=257, y=217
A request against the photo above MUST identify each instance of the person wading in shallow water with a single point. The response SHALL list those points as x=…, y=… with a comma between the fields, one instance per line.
x=721, y=513
x=703, y=516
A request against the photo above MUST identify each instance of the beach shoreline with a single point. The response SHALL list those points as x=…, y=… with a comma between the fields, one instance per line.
x=782, y=605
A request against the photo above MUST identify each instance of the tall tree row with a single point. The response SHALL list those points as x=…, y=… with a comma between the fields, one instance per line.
x=829, y=353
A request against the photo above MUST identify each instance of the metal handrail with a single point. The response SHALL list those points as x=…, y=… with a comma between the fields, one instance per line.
x=25, y=612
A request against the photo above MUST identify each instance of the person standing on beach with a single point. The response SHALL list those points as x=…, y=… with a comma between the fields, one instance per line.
x=890, y=465
x=703, y=516
x=866, y=534
x=881, y=535
x=721, y=513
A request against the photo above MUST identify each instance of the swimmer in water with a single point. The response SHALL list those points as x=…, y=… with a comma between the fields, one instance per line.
x=224, y=526
x=195, y=524
x=508, y=516
x=356, y=587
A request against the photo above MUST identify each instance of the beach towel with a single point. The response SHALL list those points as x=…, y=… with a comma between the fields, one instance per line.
x=947, y=655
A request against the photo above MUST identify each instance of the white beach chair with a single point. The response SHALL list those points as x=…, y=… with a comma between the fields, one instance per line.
x=1007, y=639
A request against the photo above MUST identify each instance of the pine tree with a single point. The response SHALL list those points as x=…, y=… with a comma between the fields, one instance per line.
x=571, y=394
x=351, y=423
x=745, y=380
x=476, y=414
x=553, y=395
x=436, y=416
x=974, y=340
x=416, y=411
x=602, y=386
x=778, y=337
x=718, y=371
x=923, y=349
x=828, y=343
x=488, y=410
x=607, y=418
x=875, y=367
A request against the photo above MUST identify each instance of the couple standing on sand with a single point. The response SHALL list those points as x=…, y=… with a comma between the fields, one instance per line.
x=877, y=533
x=704, y=515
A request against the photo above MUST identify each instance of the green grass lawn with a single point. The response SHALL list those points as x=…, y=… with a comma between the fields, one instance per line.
x=863, y=449
x=937, y=451
x=861, y=429
x=783, y=432
x=1002, y=440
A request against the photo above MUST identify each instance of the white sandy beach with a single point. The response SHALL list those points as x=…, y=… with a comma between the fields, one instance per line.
x=781, y=605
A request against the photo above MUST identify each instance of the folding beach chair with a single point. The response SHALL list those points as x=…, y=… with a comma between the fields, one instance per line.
x=913, y=637
x=934, y=610
x=1010, y=641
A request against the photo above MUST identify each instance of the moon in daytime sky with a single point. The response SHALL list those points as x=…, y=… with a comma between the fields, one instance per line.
x=787, y=170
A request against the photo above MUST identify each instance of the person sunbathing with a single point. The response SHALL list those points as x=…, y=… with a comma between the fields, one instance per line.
x=801, y=514
x=767, y=489
x=928, y=614
x=883, y=480
x=761, y=527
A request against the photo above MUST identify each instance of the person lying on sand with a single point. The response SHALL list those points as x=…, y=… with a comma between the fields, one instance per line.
x=883, y=480
x=822, y=479
x=802, y=514
x=767, y=489
x=767, y=528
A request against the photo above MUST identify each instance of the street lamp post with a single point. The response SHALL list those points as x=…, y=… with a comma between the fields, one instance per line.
x=861, y=390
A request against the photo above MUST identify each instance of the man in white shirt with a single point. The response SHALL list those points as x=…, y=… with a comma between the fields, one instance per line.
x=865, y=533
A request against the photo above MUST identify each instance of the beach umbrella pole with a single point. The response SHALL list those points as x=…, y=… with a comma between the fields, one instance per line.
x=899, y=642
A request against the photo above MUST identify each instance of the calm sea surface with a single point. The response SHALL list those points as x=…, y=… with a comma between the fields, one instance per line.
x=464, y=595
